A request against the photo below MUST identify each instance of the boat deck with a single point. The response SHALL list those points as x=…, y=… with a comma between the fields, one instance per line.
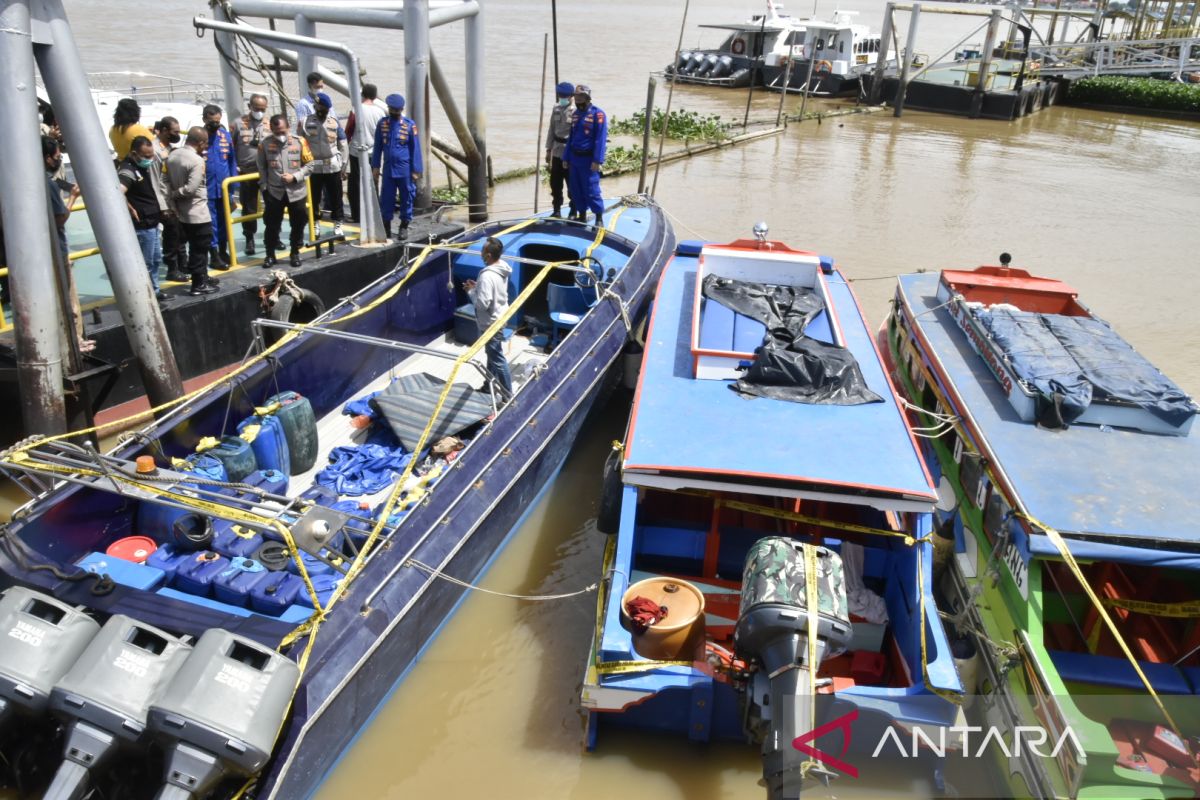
x=1117, y=485
x=701, y=428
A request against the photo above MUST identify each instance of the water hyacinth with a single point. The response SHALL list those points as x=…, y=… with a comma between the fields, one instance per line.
x=1137, y=93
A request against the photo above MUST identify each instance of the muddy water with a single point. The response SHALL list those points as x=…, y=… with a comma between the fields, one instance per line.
x=1108, y=203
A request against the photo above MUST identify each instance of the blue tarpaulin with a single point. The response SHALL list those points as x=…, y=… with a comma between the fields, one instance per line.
x=1073, y=361
x=365, y=469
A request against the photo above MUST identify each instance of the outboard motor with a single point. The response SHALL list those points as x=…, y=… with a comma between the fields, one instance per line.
x=105, y=697
x=724, y=67
x=706, y=69
x=42, y=637
x=773, y=633
x=219, y=716
x=694, y=62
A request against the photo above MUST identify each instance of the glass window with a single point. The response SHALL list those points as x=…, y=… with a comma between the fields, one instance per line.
x=842, y=47
x=820, y=44
x=795, y=38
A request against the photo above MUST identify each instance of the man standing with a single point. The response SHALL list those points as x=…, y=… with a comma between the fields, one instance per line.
x=362, y=131
x=490, y=297
x=307, y=104
x=52, y=161
x=222, y=164
x=166, y=136
x=327, y=142
x=585, y=155
x=556, y=142
x=399, y=150
x=283, y=162
x=140, y=185
x=189, y=194
x=249, y=132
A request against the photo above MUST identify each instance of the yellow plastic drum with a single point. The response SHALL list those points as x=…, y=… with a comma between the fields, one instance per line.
x=678, y=635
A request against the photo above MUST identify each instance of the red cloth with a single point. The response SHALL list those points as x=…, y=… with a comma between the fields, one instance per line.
x=350, y=124
x=644, y=612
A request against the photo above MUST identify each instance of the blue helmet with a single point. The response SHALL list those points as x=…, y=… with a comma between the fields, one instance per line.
x=395, y=101
x=565, y=89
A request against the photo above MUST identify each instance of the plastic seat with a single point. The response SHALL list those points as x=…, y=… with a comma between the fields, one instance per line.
x=567, y=307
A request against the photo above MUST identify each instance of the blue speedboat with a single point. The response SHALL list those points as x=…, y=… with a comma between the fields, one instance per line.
x=227, y=620
x=770, y=575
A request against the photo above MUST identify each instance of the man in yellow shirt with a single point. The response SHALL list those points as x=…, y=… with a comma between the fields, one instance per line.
x=127, y=126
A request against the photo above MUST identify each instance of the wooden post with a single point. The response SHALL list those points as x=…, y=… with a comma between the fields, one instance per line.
x=787, y=79
x=906, y=64
x=537, y=156
x=646, y=128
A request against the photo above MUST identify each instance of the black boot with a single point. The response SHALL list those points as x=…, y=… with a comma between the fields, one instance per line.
x=403, y=235
x=250, y=244
x=295, y=260
x=214, y=260
x=174, y=274
x=269, y=261
x=557, y=212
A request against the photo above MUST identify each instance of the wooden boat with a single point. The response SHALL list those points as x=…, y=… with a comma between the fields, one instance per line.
x=715, y=486
x=1059, y=531
x=298, y=608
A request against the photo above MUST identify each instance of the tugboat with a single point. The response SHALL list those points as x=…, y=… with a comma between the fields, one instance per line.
x=217, y=606
x=769, y=575
x=1072, y=525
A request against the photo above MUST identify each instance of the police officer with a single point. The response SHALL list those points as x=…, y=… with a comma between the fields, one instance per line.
x=284, y=161
x=221, y=163
x=556, y=142
x=585, y=154
x=249, y=131
x=327, y=142
x=399, y=150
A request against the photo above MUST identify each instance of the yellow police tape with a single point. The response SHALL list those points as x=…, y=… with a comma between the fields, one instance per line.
x=1053, y=535
x=1187, y=610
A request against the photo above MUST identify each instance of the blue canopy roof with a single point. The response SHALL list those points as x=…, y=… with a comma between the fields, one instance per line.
x=1111, y=484
x=682, y=426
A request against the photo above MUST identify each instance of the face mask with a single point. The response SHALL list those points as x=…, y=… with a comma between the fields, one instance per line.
x=564, y=101
x=282, y=137
x=173, y=138
x=144, y=163
x=256, y=115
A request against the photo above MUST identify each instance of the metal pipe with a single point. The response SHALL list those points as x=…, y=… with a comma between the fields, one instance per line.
x=382, y=15
x=902, y=85
x=787, y=79
x=231, y=78
x=758, y=64
x=647, y=125
x=662, y=135
x=371, y=231
x=554, y=28
x=66, y=83
x=985, y=64
x=331, y=78
x=305, y=62
x=477, y=188
x=885, y=38
x=416, y=83
x=23, y=203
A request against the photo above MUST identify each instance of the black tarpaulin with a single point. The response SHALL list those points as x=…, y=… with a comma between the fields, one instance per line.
x=790, y=365
x=1084, y=359
x=408, y=405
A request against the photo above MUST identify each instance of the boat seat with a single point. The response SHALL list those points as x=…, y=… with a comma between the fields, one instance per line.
x=716, y=326
x=747, y=334
x=1118, y=672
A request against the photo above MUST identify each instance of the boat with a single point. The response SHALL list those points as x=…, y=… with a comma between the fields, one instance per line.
x=265, y=616
x=1071, y=523
x=829, y=58
x=738, y=61
x=725, y=512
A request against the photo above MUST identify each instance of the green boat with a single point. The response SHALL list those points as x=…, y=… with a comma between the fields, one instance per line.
x=1070, y=526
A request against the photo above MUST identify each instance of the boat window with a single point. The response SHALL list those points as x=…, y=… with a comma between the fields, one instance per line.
x=820, y=44
x=841, y=47
x=795, y=38
x=994, y=516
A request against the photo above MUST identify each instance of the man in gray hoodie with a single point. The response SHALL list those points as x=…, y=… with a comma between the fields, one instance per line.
x=490, y=296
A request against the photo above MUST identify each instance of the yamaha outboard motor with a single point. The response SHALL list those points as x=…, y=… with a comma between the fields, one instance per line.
x=706, y=68
x=106, y=695
x=724, y=67
x=219, y=716
x=693, y=63
x=42, y=637
x=779, y=578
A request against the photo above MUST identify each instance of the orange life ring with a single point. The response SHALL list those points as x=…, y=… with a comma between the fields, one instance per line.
x=823, y=67
x=738, y=46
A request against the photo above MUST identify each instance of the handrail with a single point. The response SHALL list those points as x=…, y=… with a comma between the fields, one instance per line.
x=230, y=220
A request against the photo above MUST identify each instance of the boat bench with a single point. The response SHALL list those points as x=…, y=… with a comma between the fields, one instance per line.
x=722, y=328
x=1118, y=672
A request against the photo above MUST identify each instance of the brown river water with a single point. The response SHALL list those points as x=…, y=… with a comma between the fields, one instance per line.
x=1109, y=203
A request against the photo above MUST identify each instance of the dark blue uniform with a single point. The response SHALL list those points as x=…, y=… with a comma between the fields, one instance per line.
x=398, y=147
x=586, y=146
x=221, y=164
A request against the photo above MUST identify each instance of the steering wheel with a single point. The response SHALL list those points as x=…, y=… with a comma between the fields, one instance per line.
x=592, y=273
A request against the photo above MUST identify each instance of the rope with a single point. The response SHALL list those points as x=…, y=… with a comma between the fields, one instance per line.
x=433, y=572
